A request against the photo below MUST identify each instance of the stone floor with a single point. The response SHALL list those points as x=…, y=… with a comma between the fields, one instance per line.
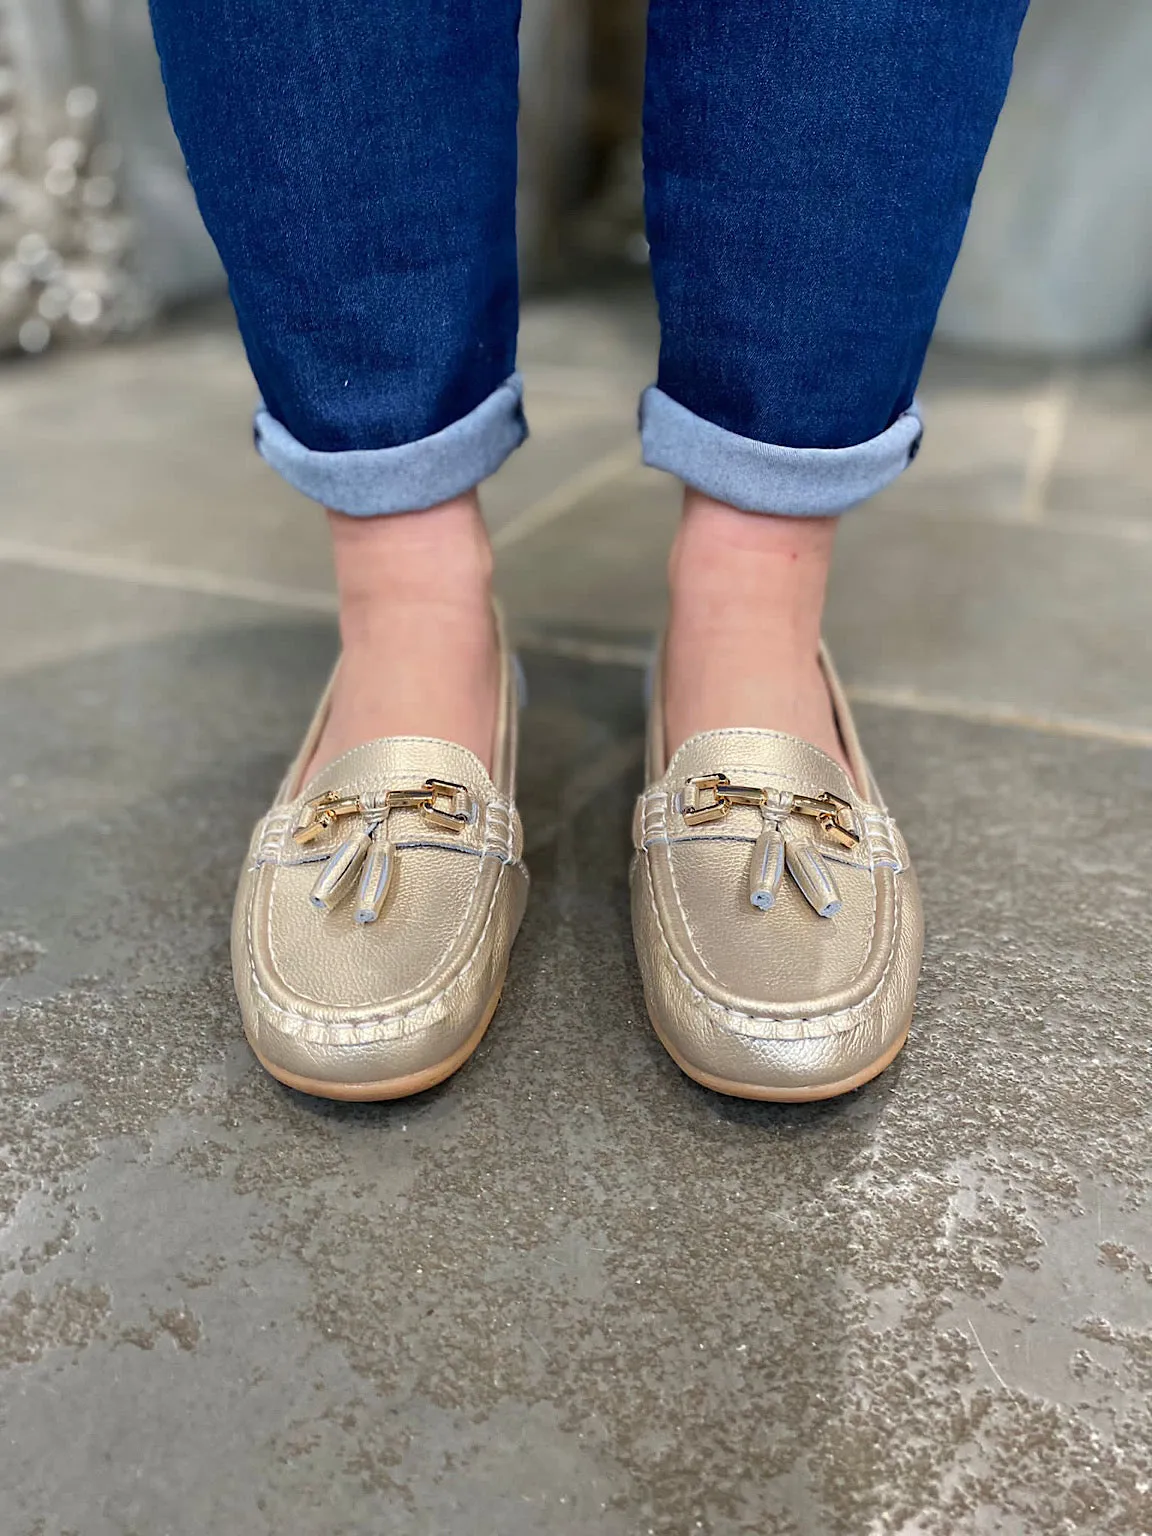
x=571, y=1292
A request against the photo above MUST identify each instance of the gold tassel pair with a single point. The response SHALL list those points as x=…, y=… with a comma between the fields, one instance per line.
x=773, y=854
x=367, y=856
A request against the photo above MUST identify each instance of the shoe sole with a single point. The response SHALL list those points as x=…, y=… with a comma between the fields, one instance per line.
x=388, y=1087
x=801, y=1095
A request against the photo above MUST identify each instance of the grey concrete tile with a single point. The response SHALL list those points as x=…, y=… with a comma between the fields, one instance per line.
x=1104, y=469
x=573, y=436
x=980, y=428
x=144, y=451
x=613, y=334
x=1025, y=617
x=48, y=617
x=570, y=1292
x=1018, y=616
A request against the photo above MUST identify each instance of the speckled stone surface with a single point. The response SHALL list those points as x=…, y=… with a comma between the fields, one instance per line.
x=569, y=1292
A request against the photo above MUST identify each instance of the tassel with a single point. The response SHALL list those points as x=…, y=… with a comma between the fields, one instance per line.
x=375, y=880
x=767, y=867
x=338, y=875
x=808, y=868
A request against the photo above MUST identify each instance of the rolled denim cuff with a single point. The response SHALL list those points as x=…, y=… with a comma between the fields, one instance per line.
x=368, y=482
x=762, y=477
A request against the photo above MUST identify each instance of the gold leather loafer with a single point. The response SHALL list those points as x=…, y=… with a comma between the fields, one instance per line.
x=377, y=910
x=776, y=915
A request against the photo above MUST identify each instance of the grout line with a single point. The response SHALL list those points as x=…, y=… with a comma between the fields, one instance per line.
x=174, y=578
x=1075, y=525
x=909, y=699
x=179, y=578
x=597, y=653
x=1125, y=530
x=984, y=713
x=567, y=495
x=1049, y=418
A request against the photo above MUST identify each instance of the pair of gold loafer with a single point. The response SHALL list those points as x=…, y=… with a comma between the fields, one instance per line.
x=776, y=915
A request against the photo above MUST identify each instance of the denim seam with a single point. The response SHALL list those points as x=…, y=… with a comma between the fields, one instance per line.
x=370, y=482
x=766, y=477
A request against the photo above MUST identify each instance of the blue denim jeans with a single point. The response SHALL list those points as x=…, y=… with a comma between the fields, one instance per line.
x=809, y=170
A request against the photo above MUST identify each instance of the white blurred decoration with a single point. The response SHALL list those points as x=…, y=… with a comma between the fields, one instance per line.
x=173, y=254
x=1058, y=255
x=63, y=233
x=98, y=225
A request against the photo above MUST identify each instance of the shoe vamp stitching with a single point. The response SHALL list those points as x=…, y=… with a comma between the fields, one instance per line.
x=880, y=833
x=330, y=1003
x=772, y=1026
x=371, y=1030
x=273, y=842
x=753, y=733
x=698, y=951
x=833, y=855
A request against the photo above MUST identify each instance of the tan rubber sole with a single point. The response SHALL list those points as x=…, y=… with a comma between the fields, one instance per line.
x=785, y=1095
x=388, y=1087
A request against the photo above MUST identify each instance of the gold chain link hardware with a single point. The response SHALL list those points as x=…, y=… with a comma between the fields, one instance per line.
x=710, y=797
x=441, y=803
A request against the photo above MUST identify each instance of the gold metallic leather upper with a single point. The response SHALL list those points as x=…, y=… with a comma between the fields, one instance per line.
x=773, y=997
x=327, y=997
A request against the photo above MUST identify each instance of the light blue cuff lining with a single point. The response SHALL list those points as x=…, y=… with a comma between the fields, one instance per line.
x=368, y=482
x=761, y=477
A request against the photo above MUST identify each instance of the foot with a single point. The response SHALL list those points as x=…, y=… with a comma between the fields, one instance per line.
x=419, y=654
x=747, y=599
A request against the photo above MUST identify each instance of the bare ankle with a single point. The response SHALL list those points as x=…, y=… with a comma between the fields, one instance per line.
x=729, y=567
x=440, y=556
x=747, y=601
x=420, y=654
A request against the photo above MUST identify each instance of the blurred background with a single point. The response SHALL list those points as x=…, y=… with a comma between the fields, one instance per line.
x=98, y=230
x=571, y=1293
